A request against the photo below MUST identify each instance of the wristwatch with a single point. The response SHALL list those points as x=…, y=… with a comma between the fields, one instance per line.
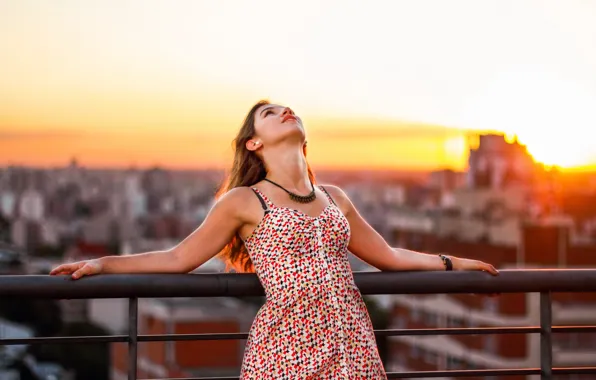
x=447, y=262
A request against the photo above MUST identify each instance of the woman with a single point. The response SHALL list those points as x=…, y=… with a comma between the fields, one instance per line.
x=271, y=219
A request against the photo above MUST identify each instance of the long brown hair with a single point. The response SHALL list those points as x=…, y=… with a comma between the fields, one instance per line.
x=247, y=169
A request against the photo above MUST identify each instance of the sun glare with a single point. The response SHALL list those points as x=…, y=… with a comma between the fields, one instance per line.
x=551, y=115
x=556, y=150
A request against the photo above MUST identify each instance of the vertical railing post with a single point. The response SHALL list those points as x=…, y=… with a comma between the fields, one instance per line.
x=133, y=314
x=546, y=341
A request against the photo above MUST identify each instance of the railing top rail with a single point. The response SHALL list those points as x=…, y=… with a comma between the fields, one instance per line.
x=223, y=285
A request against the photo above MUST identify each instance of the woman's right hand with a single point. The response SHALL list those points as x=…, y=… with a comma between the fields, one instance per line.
x=78, y=269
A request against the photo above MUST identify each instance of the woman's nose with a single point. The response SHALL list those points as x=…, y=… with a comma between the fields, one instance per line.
x=287, y=110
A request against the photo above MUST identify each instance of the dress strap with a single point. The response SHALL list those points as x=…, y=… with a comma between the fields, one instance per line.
x=265, y=202
x=328, y=195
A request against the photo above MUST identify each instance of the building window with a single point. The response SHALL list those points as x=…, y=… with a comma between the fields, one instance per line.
x=149, y=323
x=430, y=357
x=454, y=363
x=490, y=305
x=470, y=322
x=414, y=351
x=490, y=343
x=401, y=360
x=454, y=322
x=415, y=314
x=400, y=322
x=430, y=318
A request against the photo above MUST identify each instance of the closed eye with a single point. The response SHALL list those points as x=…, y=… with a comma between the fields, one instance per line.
x=266, y=111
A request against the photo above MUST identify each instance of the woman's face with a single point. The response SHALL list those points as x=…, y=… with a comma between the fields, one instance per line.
x=275, y=123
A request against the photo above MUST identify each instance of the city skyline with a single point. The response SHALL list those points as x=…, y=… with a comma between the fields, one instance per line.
x=389, y=85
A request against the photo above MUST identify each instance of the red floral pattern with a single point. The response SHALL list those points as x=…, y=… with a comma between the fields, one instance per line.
x=314, y=323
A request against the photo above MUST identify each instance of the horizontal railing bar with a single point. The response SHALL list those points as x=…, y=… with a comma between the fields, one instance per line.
x=65, y=340
x=232, y=336
x=459, y=331
x=491, y=372
x=396, y=332
x=185, y=337
x=483, y=330
x=200, y=378
x=572, y=329
x=451, y=373
x=464, y=373
x=575, y=371
x=242, y=284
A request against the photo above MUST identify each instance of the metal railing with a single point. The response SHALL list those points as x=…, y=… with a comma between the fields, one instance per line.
x=133, y=287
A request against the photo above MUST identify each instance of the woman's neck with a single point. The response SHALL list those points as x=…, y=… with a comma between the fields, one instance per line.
x=287, y=167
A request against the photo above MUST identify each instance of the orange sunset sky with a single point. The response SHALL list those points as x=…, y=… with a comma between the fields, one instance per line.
x=379, y=84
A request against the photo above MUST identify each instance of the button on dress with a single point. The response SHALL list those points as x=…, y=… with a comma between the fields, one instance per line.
x=314, y=323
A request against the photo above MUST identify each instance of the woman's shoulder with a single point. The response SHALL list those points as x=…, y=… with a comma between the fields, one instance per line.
x=339, y=197
x=238, y=195
x=241, y=201
x=334, y=191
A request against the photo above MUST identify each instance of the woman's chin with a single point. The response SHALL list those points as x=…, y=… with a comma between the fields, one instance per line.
x=293, y=132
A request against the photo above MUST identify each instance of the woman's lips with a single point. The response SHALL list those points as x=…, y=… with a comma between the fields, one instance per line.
x=288, y=117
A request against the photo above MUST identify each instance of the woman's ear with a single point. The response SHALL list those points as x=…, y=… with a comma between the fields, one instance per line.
x=253, y=145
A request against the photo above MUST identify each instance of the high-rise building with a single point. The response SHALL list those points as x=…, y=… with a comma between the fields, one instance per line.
x=495, y=163
x=31, y=206
x=8, y=203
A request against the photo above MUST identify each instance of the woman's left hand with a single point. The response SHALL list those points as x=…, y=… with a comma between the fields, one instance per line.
x=468, y=264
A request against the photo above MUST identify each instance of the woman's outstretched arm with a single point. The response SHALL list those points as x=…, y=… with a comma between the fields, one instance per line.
x=369, y=245
x=221, y=224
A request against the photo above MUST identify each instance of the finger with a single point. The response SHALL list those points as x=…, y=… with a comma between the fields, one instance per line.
x=489, y=268
x=59, y=269
x=75, y=266
x=84, y=270
x=63, y=269
x=492, y=270
x=56, y=270
x=80, y=272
